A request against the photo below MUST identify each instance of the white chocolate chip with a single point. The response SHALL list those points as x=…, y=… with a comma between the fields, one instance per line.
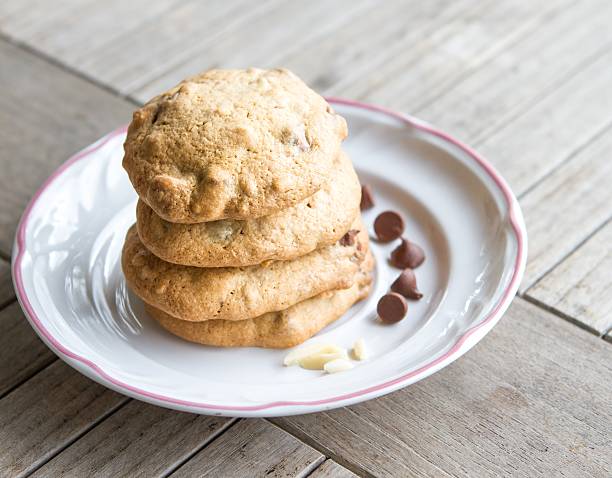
x=359, y=350
x=294, y=357
x=318, y=361
x=338, y=365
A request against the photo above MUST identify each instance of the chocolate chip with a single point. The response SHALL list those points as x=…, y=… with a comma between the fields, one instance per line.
x=392, y=308
x=388, y=225
x=406, y=285
x=367, y=198
x=407, y=255
x=349, y=238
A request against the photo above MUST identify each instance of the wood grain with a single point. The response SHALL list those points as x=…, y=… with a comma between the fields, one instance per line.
x=22, y=353
x=87, y=26
x=253, y=448
x=331, y=469
x=564, y=210
x=356, y=40
x=251, y=43
x=580, y=286
x=48, y=412
x=42, y=123
x=490, y=94
x=6, y=284
x=534, y=144
x=411, y=73
x=513, y=406
x=122, y=445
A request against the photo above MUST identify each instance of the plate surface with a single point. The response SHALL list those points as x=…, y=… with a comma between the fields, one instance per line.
x=69, y=282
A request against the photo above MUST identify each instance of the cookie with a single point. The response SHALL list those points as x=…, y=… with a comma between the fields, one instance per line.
x=318, y=221
x=282, y=329
x=237, y=293
x=232, y=144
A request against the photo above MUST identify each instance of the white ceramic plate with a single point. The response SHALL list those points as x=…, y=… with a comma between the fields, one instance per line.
x=69, y=282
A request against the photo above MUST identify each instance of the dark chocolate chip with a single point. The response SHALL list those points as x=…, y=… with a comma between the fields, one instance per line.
x=367, y=198
x=407, y=255
x=406, y=285
x=392, y=308
x=388, y=225
x=349, y=238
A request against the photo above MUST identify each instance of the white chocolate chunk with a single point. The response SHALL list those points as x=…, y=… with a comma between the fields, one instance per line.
x=294, y=357
x=338, y=365
x=359, y=350
x=318, y=361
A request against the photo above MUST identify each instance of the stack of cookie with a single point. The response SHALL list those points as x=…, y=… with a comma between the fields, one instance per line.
x=248, y=226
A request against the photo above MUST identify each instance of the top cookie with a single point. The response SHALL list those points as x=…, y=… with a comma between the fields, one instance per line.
x=232, y=144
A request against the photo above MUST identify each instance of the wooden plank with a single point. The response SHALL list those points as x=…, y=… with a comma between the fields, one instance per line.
x=529, y=400
x=562, y=211
x=323, y=59
x=48, y=412
x=89, y=26
x=331, y=469
x=534, y=144
x=513, y=79
x=22, y=353
x=46, y=115
x=253, y=448
x=131, y=59
x=580, y=286
x=252, y=42
x=137, y=440
x=411, y=72
x=6, y=283
x=19, y=18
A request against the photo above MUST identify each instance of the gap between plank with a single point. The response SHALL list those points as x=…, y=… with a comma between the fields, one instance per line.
x=565, y=256
x=7, y=302
x=575, y=152
x=551, y=310
x=66, y=68
x=470, y=71
x=232, y=422
x=297, y=433
x=25, y=379
x=80, y=435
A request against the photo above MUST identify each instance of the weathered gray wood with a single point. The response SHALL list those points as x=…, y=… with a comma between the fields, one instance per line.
x=580, y=287
x=137, y=440
x=141, y=54
x=86, y=27
x=489, y=95
x=48, y=412
x=567, y=207
x=253, y=448
x=6, y=284
x=252, y=43
x=25, y=16
x=407, y=74
x=531, y=146
x=529, y=400
x=331, y=469
x=321, y=60
x=22, y=353
x=46, y=115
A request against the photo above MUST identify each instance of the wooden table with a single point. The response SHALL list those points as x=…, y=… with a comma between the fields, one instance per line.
x=527, y=83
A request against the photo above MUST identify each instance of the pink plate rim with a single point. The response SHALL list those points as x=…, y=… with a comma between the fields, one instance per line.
x=458, y=349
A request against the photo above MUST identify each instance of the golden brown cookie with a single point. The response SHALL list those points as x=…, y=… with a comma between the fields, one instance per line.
x=316, y=222
x=238, y=293
x=232, y=144
x=282, y=329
